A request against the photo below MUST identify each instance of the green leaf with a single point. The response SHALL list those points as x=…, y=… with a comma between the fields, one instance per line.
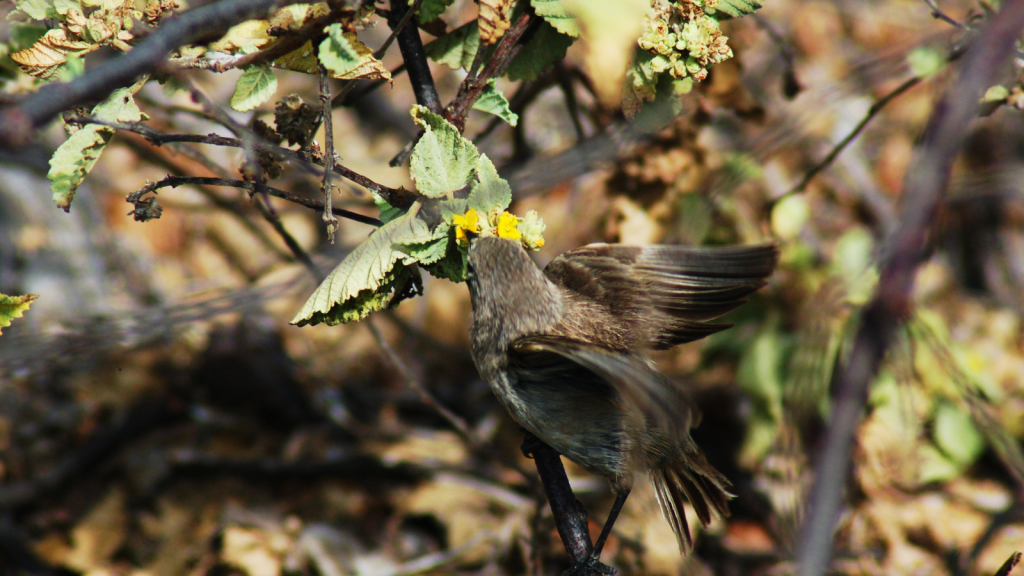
x=553, y=12
x=365, y=280
x=736, y=8
x=72, y=68
x=428, y=252
x=442, y=161
x=490, y=194
x=934, y=466
x=431, y=9
x=256, y=85
x=453, y=266
x=12, y=307
x=545, y=48
x=789, y=216
x=336, y=53
x=456, y=49
x=73, y=160
x=492, y=101
x=926, y=62
x=387, y=211
x=452, y=207
x=956, y=435
x=34, y=9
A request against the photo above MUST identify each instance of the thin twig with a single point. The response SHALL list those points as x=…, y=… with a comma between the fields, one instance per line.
x=455, y=421
x=175, y=181
x=325, y=100
x=927, y=179
x=842, y=144
x=395, y=196
x=939, y=14
x=282, y=47
x=472, y=87
x=571, y=104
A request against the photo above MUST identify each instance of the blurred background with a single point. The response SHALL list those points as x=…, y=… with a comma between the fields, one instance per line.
x=159, y=416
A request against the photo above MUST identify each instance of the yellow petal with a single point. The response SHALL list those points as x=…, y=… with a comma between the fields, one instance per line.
x=507, y=227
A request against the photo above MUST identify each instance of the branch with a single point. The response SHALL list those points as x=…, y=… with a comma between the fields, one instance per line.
x=325, y=100
x=926, y=181
x=175, y=181
x=411, y=45
x=398, y=197
x=839, y=147
x=280, y=48
x=473, y=86
x=18, y=123
x=570, y=516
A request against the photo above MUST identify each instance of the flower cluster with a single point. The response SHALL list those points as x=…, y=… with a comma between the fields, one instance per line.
x=529, y=230
x=683, y=38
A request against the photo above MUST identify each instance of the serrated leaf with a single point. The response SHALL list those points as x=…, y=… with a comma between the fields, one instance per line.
x=956, y=435
x=490, y=193
x=453, y=266
x=431, y=9
x=73, y=160
x=34, y=9
x=544, y=49
x=365, y=279
x=48, y=55
x=736, y=8
x=426, y=253
x=456, y=49
x=249, y=35
x=344, y=56
x=256, y=85
x=12, y=307
x=336, y=53
x=492, y=101
x=494, y=19
x=442, y=161
x=553, y=12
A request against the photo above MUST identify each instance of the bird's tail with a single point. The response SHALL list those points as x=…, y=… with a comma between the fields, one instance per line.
x=689, y=477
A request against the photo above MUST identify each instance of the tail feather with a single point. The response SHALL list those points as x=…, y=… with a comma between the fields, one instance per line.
x=690, y=478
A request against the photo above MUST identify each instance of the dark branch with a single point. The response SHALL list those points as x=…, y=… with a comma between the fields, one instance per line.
x=473, y=86
x=411, y=45
x=398, y=197
x=926, y=182
x=175, y=181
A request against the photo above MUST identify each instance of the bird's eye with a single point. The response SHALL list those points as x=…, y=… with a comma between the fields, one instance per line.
x=470, y=272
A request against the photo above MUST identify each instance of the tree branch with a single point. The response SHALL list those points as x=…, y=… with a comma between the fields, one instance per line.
x=411, y=45
x=18, y=123
x=927, y=179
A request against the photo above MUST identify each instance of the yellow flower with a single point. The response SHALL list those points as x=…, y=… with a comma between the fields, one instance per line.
x=508, y=227
x=469, y=221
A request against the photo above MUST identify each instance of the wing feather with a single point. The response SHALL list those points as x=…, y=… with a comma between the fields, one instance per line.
x=670, y=292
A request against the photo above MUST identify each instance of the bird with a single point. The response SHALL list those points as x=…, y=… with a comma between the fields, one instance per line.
x=564, y=351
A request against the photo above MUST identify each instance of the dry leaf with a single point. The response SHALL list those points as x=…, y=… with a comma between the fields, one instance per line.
x=494, y=19
x=45, y=58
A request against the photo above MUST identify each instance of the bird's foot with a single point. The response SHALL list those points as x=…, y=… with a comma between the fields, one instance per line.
x=590, y=567
x=530, y=444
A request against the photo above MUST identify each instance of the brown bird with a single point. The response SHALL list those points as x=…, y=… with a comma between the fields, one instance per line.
x=563, y=352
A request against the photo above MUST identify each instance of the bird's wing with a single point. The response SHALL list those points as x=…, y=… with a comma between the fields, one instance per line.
x=574, y=367
x=669, y=292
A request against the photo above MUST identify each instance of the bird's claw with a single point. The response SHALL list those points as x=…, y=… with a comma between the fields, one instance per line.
x=590, y=567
